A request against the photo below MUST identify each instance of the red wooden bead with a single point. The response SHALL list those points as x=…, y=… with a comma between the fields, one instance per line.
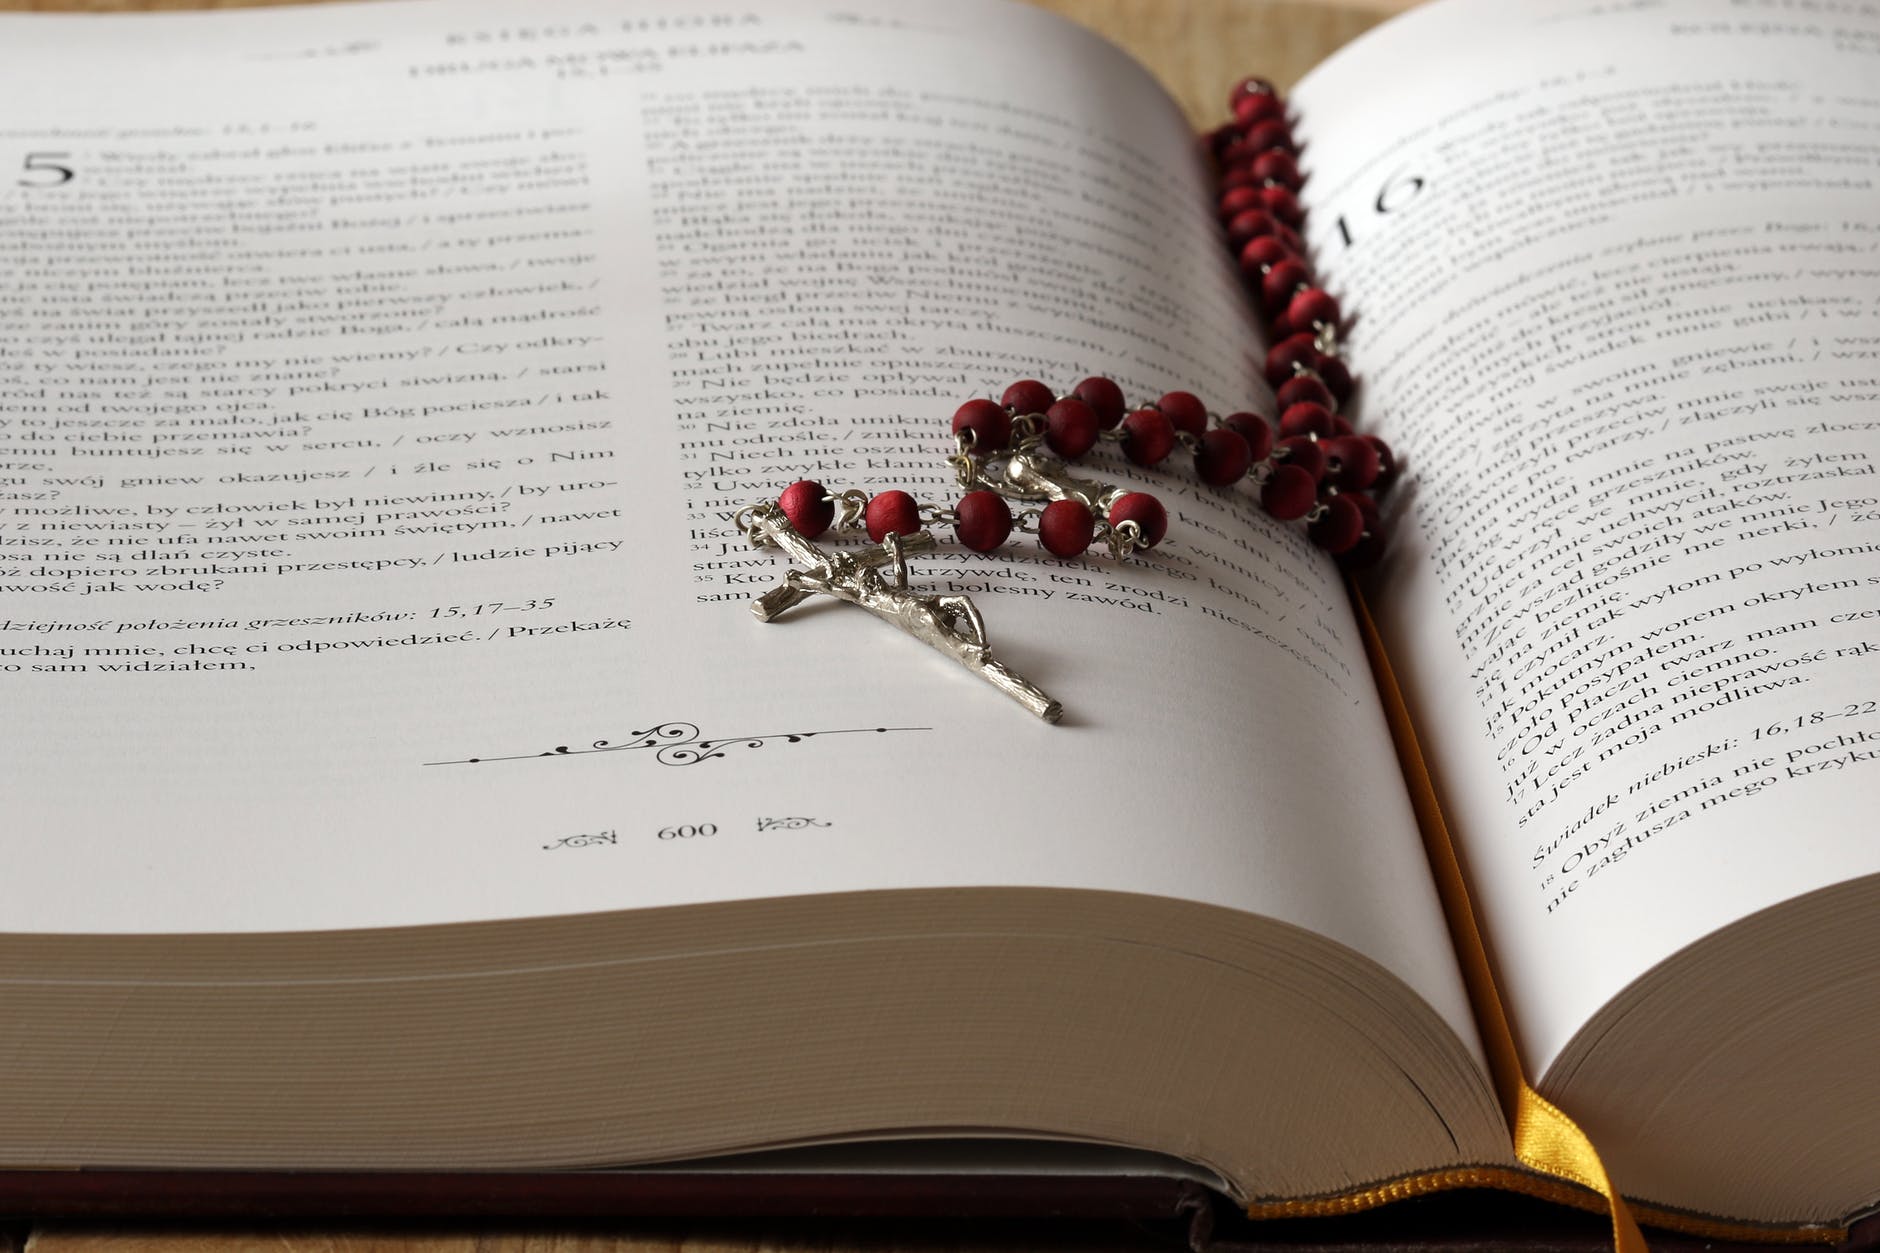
x=1280, y=282
x=891, y=511
x=1262, y=251
x=1271, y=136
x=1243, y=228
x=1367, y=550
x=1222, y=457
x=1306, y=454
x=1146, y=512
x=1252, y=85
x=1388, y=466
x=1105, y=399
x=1304, y=389
x=1338, y=527
x=1238, y=176
x=1148, y=437
x=1337, y=376
x=1027, y=396
x=1277, y=166
x=1342, y=427
x=1281, y=357
x=1070, y=428
x=808, y=507
x=1312, y=306
x=1066, y=527
x=990, y=424
x=1306, y=419
x=1258, y=107
x=1288, y=493
x=1221, y=136
x=1240, y=155
x=1366, y=506
x=1350, y=463
x=1254, y=429
x=1240, y=199
x=1185, y=411
x=984, y=520
x=1282, y=204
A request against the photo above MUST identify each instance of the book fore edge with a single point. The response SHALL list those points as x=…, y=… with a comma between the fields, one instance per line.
x=1565, y=1164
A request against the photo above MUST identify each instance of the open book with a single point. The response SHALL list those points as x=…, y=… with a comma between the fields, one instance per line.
x=398, y=780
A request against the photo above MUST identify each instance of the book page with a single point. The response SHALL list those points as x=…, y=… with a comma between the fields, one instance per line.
x=1614, y=270
x=379, y=402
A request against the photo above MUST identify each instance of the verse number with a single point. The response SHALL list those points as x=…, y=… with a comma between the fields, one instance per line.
x=1398, y=190
x=689, y=831
x=43, y=169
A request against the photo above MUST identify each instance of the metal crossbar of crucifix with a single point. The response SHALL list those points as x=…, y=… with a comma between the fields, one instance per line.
x=950, y=625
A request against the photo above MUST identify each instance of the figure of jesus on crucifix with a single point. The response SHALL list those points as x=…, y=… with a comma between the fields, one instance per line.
x=949, y=624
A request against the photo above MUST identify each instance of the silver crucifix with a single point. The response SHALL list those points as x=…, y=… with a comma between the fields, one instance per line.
x=950, y=625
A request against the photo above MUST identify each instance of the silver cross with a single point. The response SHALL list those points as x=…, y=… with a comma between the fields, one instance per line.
x=950, y=625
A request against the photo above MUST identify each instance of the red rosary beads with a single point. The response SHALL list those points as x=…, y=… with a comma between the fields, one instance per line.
x=1259, y=209
x=1300, y=474
x=1315, y=468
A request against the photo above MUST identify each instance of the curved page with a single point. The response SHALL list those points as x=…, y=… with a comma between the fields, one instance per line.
x=1614, y=268
x=381, y=399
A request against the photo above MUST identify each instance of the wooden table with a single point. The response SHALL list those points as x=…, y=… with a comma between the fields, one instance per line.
x=1198, y=48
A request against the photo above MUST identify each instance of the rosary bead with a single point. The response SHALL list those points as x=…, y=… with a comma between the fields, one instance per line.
x=1366, y=506
x=1306, y=419
x=1297, y=349
x=1240, y=176
x=1336, y=376
x=1279, y=283
x=1263, y=251
x=1243, y=229
x=1371, y=546
x=1282, y=204
x=1342, y=427
x=1070, y=428
x=1387, y=463
x=1066, y=527
x=1338, y=527
x=1240, y=199
x=1350, y=463
x=1146, y=512
x=808, y=507
x=984, y=520
x=1255, y=430
x=1148, y=437
x=1270, y=134
x=1027, y=396
x=1277, y=166
x=1105, y=399
x=990, y=424
x=1304, y=389
x=1312, y=306
x=1288, y=493
x=1307, y=454
x=1239, y=156
x=1253, y=107
x=1252, y=85
x=1222, y=457
x=1185, y=411
x=891, y=511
